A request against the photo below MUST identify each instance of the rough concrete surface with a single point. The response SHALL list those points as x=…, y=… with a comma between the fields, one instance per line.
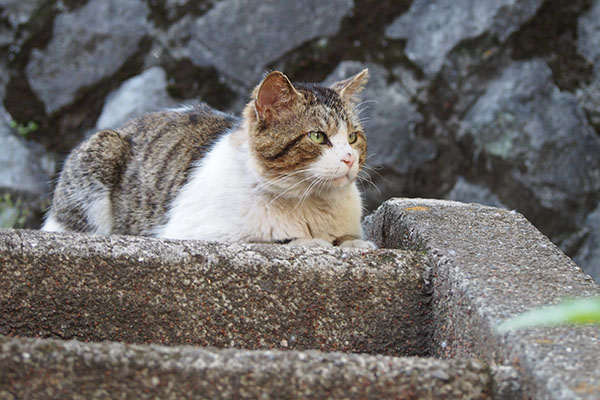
x=450, y=274
x=50, y=369
x=488, y=265
x=143, y=290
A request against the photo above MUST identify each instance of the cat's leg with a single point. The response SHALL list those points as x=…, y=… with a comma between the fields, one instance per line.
x=81, y=199
x=52, y=225
x=353, y=241
x=358, y=243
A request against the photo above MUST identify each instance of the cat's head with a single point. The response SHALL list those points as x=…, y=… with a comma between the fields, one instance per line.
x=307, y=135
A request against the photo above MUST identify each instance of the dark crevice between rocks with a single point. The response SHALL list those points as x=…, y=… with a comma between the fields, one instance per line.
x=360, y=38
x=552, y=35
x=20, y=101
x=187, y=81
x=590, y=115
x=29, y=208
x=5, y=24
x=162, y=19
x=39, y=30
x=493, y=171
x=74, y=4
x=471, y=64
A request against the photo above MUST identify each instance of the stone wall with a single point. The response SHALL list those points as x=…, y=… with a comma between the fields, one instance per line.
x=494, y=102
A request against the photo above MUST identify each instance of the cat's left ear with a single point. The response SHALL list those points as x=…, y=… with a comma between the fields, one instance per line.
x=274, y=95
x=348, y=89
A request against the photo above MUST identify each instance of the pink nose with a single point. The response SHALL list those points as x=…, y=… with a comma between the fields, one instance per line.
x=349, y=159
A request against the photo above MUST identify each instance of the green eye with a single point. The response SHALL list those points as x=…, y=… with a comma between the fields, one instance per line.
x=352, y=137
x=318, y=137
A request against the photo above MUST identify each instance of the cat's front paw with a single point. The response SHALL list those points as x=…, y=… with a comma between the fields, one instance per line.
x=358, y=243
x=310, y=242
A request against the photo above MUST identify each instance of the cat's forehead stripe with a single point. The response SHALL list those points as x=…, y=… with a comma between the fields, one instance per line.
x=319, y=95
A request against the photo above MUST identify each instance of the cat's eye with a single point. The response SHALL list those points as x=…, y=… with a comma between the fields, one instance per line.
x=352, y=137
x=318, y=137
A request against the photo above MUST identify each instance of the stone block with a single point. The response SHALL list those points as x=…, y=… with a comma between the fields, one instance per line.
x=144, y=290
x=489, y=264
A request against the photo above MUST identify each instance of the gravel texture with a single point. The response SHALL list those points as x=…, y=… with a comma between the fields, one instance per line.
x=49, y=369
x=143, y=290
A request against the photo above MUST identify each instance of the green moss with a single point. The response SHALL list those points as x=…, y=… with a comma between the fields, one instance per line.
x=22, y=129
x=13, y=214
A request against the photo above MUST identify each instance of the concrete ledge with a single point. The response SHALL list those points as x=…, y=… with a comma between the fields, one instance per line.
x=461, y=270
x=490, y=264
x=50, y=369
x=142, y=290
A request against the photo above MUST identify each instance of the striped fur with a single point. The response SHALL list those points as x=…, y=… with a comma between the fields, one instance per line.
x=199, y=173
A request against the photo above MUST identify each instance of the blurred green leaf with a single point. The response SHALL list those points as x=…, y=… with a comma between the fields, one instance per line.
x=579, y=311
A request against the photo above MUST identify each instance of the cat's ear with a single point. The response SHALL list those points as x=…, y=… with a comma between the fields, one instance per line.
x=274, y=95
x=348, y=89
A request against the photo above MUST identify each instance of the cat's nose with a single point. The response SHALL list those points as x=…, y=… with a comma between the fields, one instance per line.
x=349, y=159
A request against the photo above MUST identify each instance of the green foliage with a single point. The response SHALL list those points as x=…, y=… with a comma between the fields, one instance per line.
x=12, y=212
x=24, y=130
x=581, y=311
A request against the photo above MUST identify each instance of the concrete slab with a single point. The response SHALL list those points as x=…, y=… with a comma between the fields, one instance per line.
x=461, y=270
x=51, y=369
x=488, y=265
x=143, y=290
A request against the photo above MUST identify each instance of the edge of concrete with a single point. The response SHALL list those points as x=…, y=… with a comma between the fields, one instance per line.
x=490, y=264
x=46, y=368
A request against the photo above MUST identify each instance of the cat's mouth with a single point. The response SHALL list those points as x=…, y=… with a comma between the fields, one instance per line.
x=343, y=180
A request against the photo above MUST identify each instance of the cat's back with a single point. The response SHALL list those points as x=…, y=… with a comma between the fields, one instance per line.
x=187, y=128
x=164, y=148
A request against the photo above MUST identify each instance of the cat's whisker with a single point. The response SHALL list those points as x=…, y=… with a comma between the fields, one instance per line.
x=367, y=169
x=274, y=182
x=287, y=190
x=306, y=193
x=362, y=179
x=362, y=106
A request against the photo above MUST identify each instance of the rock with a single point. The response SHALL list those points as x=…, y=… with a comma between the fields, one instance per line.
x=588, y=37
x=433, y=28
x=139, y=95
x=589, y=99
x=467, y=192
x=16, y=13
x=24, y=166
x=588, y=34
x=588, y=255
x=88, y=44
x=25, y=172
x=536, y=144
x=241, y=40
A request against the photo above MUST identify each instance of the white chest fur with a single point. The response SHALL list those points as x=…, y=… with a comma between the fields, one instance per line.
x=224, y=200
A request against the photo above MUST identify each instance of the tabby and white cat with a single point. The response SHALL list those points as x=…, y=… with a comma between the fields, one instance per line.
x=284, y=172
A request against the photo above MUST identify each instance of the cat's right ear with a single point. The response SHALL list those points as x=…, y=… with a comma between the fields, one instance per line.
x=274, y=95
x=348, y=89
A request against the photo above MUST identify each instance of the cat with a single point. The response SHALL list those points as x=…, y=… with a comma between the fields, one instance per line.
x=284, y=172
